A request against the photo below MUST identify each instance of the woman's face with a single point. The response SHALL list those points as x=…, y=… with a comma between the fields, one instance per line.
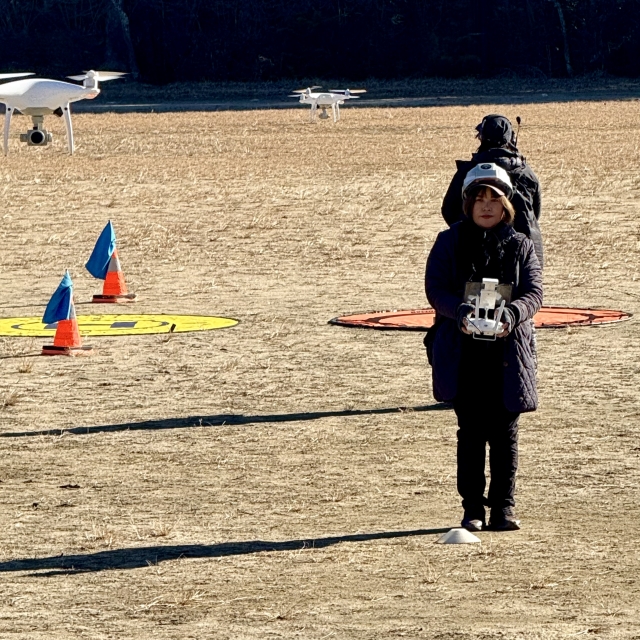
x=487, y=209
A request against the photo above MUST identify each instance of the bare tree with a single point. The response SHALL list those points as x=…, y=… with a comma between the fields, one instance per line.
x=565, y=40
x=118, y=21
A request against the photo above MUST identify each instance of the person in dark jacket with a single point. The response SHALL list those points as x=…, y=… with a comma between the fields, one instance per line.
x=490, y=383
x=498, y=145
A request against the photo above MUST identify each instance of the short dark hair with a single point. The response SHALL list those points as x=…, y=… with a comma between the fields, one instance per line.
x=474, y=192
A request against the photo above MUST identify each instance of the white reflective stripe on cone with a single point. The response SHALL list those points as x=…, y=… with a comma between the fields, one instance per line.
x=114, y=263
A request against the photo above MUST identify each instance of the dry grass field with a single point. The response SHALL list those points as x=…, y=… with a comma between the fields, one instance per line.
x=286, y=478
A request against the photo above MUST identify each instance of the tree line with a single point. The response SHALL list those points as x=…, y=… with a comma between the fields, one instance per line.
x=163, y=41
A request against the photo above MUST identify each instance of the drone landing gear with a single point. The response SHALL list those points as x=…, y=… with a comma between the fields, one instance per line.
x=38, y=136
x=66, y=112
x=7, y=123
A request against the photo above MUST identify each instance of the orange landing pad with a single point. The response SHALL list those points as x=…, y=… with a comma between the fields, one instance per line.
x=422, y=319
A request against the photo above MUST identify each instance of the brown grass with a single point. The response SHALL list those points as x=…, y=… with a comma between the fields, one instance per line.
x=9, y=399
x=186, y=516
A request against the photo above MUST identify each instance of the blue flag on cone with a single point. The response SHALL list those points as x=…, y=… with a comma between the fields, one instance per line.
x=61, y=304
x=98, y=263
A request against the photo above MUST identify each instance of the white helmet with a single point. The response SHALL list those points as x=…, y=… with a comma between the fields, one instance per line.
x=488, y=174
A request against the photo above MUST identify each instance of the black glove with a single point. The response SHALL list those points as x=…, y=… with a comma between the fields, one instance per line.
x=462, y=312
x=510, y=316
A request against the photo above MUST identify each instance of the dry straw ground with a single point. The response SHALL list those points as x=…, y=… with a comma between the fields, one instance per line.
x=261, y=482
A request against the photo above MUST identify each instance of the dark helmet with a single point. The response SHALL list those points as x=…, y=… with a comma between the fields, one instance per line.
x=495, y=131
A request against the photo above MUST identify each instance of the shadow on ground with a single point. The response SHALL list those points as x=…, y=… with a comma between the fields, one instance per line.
x=261, y=104
x=223, y=420
x=137, y=558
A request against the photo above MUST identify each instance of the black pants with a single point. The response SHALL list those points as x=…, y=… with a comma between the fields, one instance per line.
x=483, y=419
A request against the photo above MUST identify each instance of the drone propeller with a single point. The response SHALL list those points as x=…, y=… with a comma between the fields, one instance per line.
x=348, y=91
x=4, y=76
x=98, y=75
x=308, y=89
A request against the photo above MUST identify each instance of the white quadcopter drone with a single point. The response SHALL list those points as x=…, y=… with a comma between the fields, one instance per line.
x=332, y=98
x=38, y=97
x=484, y=322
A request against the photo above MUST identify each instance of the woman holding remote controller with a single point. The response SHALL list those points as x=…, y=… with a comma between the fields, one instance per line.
x=485, y=365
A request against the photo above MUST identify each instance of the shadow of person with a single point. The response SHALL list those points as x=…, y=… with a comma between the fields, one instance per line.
x=222, y=420
x=139, y=557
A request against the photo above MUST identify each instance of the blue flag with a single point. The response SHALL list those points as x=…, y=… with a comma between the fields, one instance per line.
x=61, y=304
x=98, y=263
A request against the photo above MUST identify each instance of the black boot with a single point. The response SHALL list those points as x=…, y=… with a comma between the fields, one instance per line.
x=503, y=520
x=473, y=519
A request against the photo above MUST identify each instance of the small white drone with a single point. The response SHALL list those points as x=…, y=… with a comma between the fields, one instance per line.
x=484, y=322
x=332, y=98
x=38, y=97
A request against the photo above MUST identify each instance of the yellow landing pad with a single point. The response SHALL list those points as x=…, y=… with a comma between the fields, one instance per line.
x=116, y=325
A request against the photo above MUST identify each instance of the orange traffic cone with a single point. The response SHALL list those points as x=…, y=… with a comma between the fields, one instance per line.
x=67, y=341
x=115, y=288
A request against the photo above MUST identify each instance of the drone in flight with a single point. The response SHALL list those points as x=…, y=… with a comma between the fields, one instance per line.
x=38, y=97
x=325, y=99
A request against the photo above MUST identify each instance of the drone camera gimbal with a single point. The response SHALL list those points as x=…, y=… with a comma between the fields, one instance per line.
x=38, y=136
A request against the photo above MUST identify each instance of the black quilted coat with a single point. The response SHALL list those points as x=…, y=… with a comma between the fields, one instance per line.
x=448, y=270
